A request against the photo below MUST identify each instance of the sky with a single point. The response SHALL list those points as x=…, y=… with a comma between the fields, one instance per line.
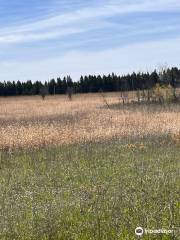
x=44, y=39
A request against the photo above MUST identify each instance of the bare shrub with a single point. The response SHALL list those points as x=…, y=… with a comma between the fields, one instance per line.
x=70, y=93
x=43, y=92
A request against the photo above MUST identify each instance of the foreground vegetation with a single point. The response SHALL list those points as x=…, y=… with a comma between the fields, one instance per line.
x=94, y=168
x=90, y=191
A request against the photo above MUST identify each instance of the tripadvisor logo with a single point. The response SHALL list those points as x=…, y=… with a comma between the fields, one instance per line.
x=139, y=231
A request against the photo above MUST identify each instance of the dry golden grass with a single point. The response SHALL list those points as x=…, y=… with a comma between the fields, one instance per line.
x=31, y=122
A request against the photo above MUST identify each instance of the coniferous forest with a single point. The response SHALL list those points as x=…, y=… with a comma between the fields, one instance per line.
x=92, y=83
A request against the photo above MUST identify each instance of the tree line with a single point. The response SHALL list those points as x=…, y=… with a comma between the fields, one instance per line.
x=93, y=83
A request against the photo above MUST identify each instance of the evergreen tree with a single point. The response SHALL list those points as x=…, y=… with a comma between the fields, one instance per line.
x=93, y=83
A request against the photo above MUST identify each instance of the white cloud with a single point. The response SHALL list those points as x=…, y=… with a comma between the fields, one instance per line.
x=120, y=60
x=47, y=27
x=51, y=34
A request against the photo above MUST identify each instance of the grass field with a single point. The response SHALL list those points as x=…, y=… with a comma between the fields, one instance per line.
x=31, y=122
x=79, y=170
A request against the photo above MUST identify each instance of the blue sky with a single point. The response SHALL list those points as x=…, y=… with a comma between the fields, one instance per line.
x=42, y=39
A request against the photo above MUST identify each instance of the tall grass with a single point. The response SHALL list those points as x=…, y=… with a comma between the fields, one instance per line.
x=31, y=122
x=77, y=170
x=90, y=191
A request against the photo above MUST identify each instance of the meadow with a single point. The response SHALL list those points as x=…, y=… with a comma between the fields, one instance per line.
x=30, y=122
x=83, y=170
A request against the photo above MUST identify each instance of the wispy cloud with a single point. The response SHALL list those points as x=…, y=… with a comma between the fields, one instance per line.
x=52, y=27
x=92, y=36
x=29, y=36
x=142, y=57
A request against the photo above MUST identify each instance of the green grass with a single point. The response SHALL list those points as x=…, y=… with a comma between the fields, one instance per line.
x=94, y=191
